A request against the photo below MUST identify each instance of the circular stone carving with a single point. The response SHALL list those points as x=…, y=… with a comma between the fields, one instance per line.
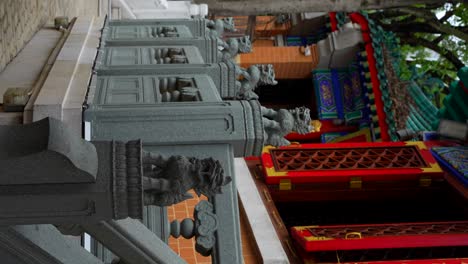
x=186, y=228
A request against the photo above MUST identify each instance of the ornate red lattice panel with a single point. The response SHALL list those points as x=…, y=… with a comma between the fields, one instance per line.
x=432, y=255
x=340, y=161
x=354, y=237
x=344, y=159
x=420, y=261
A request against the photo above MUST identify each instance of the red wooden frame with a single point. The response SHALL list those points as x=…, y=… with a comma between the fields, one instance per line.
x=343, y=237
x=418, y=261
x=457, y=185
x=326, y=126
x=275, y=176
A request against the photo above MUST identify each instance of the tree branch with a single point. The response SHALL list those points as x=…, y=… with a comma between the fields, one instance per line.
x=245, y=7
x=434, y=6
x=450, y=56
x=447, y=15
x=387, y=13
x=463, y=29
x=411, y=27
x=439, y=38
x=431, y=20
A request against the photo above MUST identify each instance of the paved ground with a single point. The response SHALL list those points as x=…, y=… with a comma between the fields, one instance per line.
x=186, y=248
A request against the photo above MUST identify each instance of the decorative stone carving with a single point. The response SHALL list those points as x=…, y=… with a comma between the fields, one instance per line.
x=203, y=228
x=233, y=46
x=176, y=89
x=164, y=32
x=229, y=122
x=167, y=180
x=75, y=182
x=170, y=56
x=127, y=180
x=278, y=124
x=216, y=27
x=282, y=19
x=260, y=74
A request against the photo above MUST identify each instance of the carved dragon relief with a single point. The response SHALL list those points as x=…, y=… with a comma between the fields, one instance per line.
x=234, y=46
x=278, y=124
x=259, y=74
x=167, y=180
x=217, y=27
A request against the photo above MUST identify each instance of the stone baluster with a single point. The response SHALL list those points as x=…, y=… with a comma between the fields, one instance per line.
x=203, y=228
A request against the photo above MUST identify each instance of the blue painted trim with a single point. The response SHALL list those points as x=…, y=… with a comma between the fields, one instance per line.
x=338, y=92
x=317, y=94
x=448, y=167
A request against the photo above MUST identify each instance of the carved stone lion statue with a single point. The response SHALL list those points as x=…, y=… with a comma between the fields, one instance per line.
x=260, y=74
x=234, y=46
x=216, y=27
x=167, y=180
x=277, y=124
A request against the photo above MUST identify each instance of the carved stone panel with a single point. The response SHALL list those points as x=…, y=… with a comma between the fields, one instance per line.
x=236, y=122
x=147, y=31
x=195, y=26
x=151, y=89
x=134, y=55
x=207, y=46
x=222, y=74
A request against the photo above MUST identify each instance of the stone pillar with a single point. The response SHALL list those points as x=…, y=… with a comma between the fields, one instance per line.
x=155, y=220
x=32, y=244
x=110, y=196
x=132, y=242
x=233, y=122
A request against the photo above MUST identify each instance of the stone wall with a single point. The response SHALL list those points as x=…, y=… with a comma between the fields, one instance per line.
x=20, y=20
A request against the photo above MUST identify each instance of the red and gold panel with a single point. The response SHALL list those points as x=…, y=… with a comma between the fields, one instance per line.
x=381, y=236
x=320, y=127
x=340, y=162
x=420, y=261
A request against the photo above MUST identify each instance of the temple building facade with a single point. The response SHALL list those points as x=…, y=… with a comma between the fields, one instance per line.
x=137, y=131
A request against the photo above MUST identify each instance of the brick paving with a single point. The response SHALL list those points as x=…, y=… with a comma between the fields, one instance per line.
x=186, y=247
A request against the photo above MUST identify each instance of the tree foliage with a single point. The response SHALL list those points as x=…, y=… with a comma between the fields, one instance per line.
x=433, y=37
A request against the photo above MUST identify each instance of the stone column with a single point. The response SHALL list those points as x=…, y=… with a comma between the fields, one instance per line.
x=132, y=242
x=238, y=123
x=40, y=244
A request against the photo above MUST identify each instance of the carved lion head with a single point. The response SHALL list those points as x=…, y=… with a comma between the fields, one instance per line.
x=211, y=177
x=228, y=23
x=302, y=120
x=267, y=74
x=245, y=45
